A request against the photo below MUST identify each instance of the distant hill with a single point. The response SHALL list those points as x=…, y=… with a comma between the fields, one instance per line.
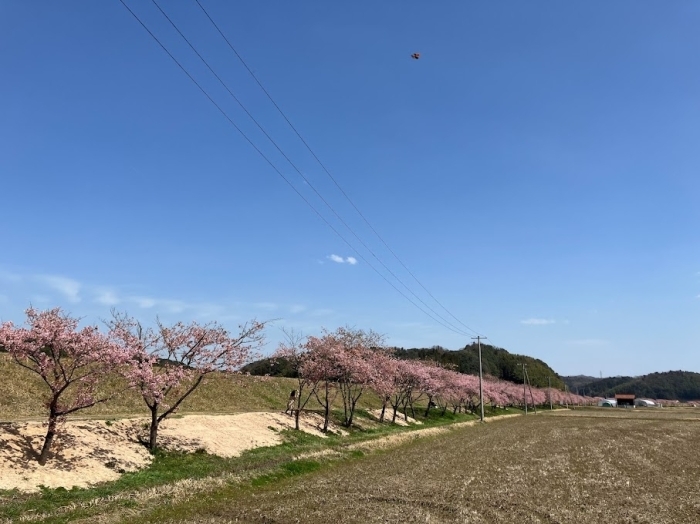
x=495, y=361
x=579, y=381
x=670, y=385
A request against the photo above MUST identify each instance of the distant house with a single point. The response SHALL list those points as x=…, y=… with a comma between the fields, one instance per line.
x=624, y=400
x=644, y=403
x=607, y=403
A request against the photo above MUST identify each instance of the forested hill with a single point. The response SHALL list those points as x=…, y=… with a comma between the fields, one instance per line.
x=495, y=361
x=579, y=381
x=670, y=385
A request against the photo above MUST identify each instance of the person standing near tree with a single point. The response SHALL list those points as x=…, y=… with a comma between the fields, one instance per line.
x=291, y=402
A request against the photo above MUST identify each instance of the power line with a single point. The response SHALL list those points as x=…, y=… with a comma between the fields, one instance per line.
x=274, y=167
x=286, y=157
x=325, y=169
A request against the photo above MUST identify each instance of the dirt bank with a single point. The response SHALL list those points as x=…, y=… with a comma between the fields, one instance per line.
x=89, y=452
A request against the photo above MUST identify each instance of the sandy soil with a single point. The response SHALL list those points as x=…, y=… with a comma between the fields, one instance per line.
x=89, y=452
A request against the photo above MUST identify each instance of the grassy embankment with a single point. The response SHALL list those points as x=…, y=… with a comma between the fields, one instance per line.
x=174, y=477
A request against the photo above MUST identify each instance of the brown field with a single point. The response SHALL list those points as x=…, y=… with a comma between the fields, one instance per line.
x=587, y=466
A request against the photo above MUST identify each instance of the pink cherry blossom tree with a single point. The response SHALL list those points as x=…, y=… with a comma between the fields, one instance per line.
x=70, y=362
x=409, y=379
x=384, y=377
x=354, y=362
x=169, y=363
x=321, y=367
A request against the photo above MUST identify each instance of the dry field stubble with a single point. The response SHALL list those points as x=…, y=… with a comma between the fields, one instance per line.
x=636, y=466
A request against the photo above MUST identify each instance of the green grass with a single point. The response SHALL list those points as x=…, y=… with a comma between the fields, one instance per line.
x=254, y=469
x=24, y=392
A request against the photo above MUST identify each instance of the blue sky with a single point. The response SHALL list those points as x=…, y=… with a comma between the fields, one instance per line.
x=537, y=169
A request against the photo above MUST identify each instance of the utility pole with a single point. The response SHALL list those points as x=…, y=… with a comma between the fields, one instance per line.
x=524, y=388
x=481, y=387
x=549, y=391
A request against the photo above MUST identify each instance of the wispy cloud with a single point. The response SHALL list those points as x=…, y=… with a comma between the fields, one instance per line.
x=107, y=297
x=49, y=290
x=68, y=287
x=538, y=321
x=144, y=302
x=340, y=260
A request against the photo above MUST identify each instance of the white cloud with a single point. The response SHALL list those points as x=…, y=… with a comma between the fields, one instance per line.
x=144, y=302
x=340, y=260
x=107, y=297
x=43, y=291
x=66, y=286
x=538, y=321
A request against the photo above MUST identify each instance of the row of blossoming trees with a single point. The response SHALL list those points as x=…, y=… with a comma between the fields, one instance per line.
x=348, y=362
x=166, y=364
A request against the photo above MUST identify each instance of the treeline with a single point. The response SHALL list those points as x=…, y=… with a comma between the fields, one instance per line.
x=670, y=385
x=496, y=362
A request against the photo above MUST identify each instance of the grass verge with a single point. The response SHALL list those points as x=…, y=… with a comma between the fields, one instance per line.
x=174, y=478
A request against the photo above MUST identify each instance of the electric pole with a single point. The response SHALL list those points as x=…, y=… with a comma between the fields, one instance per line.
x=549, y=391
x=524, y=388
x=481, y=387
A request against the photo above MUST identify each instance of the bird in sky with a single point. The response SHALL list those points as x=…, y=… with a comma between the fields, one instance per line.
x=415, y=56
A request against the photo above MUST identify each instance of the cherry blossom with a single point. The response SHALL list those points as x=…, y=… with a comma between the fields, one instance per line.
x=168, y=363
x=70, y=362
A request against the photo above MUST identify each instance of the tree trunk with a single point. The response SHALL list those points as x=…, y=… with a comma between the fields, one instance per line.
x=154, y=429
x=326, y=415
x=427, y=410
x=345, y=392
x=381, y=417
x=296, y=418
x=50, y=434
